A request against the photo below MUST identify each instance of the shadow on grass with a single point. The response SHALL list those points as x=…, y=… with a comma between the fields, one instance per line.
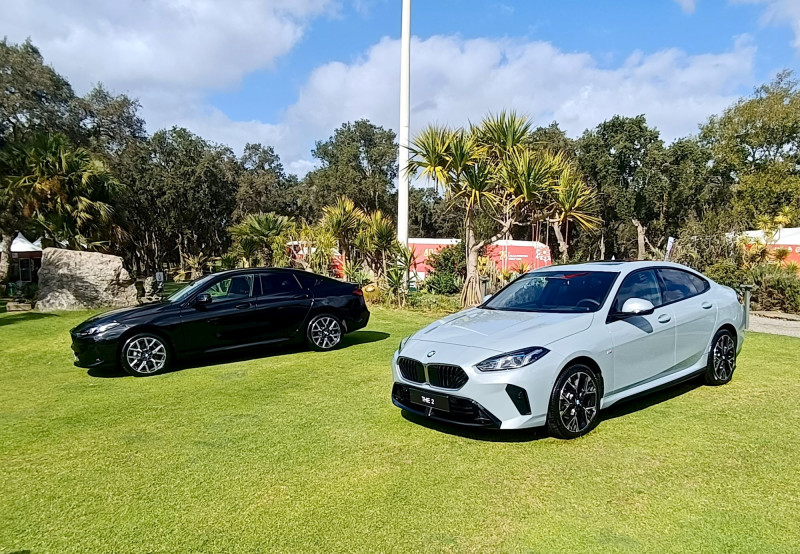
x=246, y=354
x=20, y=317
x=649, y=398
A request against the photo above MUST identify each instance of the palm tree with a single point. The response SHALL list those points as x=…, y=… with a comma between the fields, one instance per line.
x=262, y=229
x=343, y=220
x=491, y=168
x=61, y=189
x=572, y=200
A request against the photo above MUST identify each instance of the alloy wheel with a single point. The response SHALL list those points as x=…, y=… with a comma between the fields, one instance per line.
x=724, y=357
x=146, y=355
x=577, y=404
x=326, y=332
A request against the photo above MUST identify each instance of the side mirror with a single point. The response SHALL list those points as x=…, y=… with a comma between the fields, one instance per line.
x=637, y=306
x=486, y=297
x=202, y=299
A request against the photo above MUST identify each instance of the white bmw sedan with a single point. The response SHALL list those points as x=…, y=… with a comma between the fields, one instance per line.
x=559, y=344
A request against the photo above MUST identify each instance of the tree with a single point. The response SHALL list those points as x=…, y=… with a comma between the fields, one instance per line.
x=106, y=124
x=344, y=221
x=491, y=169
x=755, y=148
x=360, y=162
x=63, y=190
x=179, y=199
x=623, y=160
x=33, y=97
x=259, y=232
x=263, y=184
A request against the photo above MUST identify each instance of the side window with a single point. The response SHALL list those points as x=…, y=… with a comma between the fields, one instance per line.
x=277, y=283
x=679, y=285
x=642, y=284
x=233, y=288
x=309, y=280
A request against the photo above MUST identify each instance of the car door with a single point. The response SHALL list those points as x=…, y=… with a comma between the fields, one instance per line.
x=695, y=314
x=282, y=305
x=643, y=346
x=228, y=321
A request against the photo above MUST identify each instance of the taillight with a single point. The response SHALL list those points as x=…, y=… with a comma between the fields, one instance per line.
x=358, y=292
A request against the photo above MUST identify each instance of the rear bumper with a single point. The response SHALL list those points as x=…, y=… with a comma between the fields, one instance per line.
x=94, y=353
x=358, y=322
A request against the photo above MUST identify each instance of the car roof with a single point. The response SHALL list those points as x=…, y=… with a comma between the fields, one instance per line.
x=615, y=266
x=248, y=270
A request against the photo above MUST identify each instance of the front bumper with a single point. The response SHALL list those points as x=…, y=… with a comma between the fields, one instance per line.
x=93, y=352
x=513, y=399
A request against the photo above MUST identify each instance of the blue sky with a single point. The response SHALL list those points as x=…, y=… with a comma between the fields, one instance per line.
x=287, y=72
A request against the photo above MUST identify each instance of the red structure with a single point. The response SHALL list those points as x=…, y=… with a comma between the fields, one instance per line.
x=507, y=254
x=788, y=238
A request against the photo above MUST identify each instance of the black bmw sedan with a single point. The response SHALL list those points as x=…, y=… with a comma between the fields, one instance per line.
x=220, y=312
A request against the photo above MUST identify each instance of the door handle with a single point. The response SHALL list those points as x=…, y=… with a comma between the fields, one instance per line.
x=299, y=297
x=243, y=305
x=706, y=305
x=664, y=318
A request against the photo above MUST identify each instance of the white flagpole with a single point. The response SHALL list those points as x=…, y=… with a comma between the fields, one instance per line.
x=405, y=100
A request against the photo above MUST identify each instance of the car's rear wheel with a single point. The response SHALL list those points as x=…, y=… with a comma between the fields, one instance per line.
x=721, y=358
x=324, y=332
x=574, y=403
x=145, y=354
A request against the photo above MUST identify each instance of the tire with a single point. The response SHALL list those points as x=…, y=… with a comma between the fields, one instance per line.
x=721, y=359
x=569, y=416
x=324, y=332
x=145, y=354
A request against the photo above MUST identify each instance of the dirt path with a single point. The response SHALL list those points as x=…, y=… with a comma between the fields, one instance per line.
x=774, y=326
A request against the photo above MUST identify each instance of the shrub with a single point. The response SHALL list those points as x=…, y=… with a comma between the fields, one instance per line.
x=443, y=283
x=448, y=270
x=728, y=273
x=430, y=302
x=777, y=288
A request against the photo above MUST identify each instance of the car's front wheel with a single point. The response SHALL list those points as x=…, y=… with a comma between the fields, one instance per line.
x=144, y=354
x=324, y=332
x=721, y=358
x=574, y=403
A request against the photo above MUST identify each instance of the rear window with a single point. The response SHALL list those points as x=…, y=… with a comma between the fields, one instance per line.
x=277, y=283
x=679, y=285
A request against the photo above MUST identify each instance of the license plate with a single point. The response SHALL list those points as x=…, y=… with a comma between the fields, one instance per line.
x=435, y=401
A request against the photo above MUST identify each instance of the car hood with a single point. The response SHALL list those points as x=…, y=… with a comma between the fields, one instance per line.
x=503, y=331
x=123, y=315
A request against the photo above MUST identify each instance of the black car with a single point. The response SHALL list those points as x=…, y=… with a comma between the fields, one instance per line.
x=220, y=312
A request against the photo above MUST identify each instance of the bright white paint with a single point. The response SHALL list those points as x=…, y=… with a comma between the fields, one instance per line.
x=405, y=100
x=634, y=354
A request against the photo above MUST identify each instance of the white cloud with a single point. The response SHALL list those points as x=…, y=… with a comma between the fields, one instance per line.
x=780, y=12
x=173, y=53
x=455, y=81
x=688, y=6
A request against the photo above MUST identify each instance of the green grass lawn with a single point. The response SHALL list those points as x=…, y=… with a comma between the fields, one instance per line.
x=303, y=451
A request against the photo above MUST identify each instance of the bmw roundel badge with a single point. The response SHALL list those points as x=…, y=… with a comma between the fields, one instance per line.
x=431, y=353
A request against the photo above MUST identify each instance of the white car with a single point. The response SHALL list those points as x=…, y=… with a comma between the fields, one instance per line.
x=561, y=343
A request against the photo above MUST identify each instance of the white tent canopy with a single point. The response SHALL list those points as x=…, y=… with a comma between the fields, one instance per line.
x=786, y=236
x=21, y=244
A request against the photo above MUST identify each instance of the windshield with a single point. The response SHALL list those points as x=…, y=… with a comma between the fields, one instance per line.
x=555, y=291
x=197, y=284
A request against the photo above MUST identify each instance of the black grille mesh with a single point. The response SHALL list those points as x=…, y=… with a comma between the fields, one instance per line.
x=446, y=376
x=439, y=375
x=412, y=370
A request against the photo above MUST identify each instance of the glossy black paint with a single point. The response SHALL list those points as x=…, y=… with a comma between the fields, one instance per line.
x=193, y=328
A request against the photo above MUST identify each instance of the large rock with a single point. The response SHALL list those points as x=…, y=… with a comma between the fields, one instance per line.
x=71, y=280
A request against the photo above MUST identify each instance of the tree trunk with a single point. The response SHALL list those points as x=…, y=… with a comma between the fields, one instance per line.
x=562, y=244
x=640, y=238
x=5, y=257
x=471, y=294
x=602, y=246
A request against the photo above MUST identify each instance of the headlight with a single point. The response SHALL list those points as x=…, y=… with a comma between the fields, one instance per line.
x=513, y=360
x=97, y=329
x=403, y=343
